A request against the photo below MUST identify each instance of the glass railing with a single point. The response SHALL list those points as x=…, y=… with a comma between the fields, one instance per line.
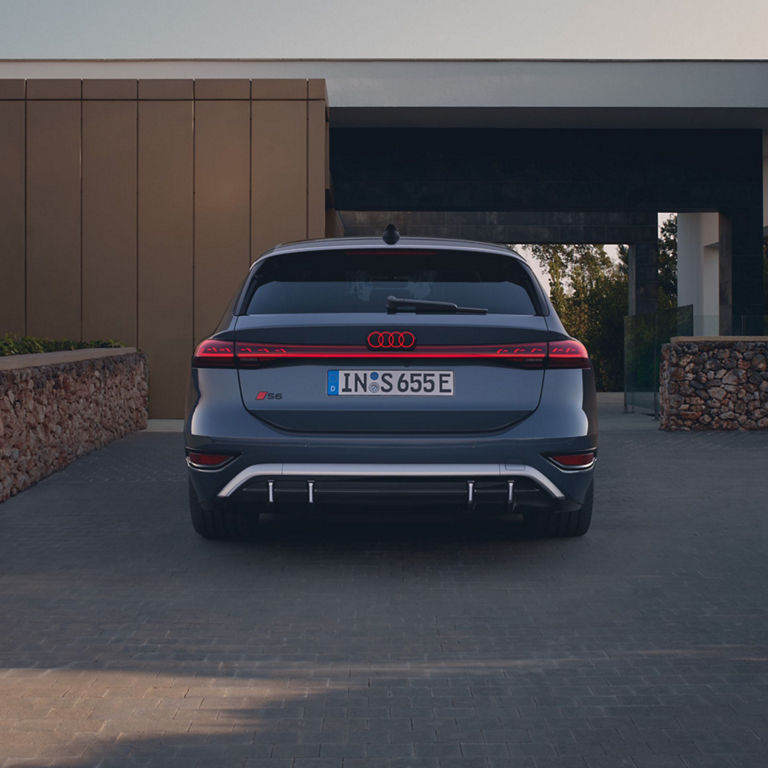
x=743, y=325
x=749, y=325
x=644, y=336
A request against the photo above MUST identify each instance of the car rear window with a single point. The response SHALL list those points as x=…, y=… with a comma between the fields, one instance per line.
x=361, y=281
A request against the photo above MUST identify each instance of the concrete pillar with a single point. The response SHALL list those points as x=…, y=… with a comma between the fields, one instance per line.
x=643, y=278
x=698, y=278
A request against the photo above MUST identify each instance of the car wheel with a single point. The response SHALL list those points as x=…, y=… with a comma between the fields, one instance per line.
x=562, y=524
x=229, y=522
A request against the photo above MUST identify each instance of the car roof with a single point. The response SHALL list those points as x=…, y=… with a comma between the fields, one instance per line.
x=333, y=243
x=404, y=243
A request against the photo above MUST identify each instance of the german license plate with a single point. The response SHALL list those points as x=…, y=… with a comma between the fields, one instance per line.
x=389, y=382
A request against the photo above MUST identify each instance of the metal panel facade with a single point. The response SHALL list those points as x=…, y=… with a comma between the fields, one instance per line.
x=222, y=210
x=132, y=210
x=279, y=180
x=109, y=220
x=318, y=180
x=12, y=236
x=53, y=219
x=165, y=246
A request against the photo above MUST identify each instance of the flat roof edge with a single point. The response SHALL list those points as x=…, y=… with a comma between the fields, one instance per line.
x=399, y=60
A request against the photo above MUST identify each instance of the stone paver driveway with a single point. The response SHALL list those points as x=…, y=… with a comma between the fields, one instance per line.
x=127, y=640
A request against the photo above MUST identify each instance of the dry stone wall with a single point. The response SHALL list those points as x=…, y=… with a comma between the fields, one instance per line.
x=57, y=406
x=715, y=383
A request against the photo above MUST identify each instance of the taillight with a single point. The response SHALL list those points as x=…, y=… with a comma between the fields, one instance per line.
x=567, y=354
x=529, y=355
x=213, y=353
x=552, y=354
x=574, y=460
x=208, y=460
x=248, y=355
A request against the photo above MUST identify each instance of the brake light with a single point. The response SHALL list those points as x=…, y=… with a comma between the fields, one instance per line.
x=574, y=460
x=208, y=460
x=567, y=354
x=213, y=353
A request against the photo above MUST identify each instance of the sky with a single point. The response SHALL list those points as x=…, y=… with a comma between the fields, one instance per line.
x=333, y=29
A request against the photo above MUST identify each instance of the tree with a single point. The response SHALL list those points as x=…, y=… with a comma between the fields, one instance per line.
x=668, y=263
x=589, y=292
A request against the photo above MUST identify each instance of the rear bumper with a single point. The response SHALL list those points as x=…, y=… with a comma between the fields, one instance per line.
x=503, y=487
x=469, y=473
x=371, y=468
x=499, y=487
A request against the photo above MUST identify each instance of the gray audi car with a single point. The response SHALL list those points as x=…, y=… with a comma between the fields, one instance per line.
x=399, y=372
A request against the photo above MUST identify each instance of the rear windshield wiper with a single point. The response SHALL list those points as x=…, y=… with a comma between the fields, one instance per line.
x=396, y=304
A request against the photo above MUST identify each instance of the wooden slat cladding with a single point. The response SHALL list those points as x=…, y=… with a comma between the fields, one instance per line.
x=318, y=174
x=53, y=219
x=12, y=236
x=110, y=89
x=222, y=215
x=165, y=248
x=279, y=181
x=54, y=89
x=222, y=89
x=109, y=220
x=132, y=209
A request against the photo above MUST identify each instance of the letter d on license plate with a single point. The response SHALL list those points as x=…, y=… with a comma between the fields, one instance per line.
x=410, y=382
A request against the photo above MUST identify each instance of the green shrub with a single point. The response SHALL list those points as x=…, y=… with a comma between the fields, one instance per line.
x=10, y=344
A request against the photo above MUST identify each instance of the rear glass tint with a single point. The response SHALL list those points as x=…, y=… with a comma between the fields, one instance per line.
x=360, y=281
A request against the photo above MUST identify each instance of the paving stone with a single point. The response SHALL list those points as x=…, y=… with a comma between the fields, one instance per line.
x=414, y=762
x=342, y=750
x=437, y=749
x=609, y=762
x=129, y=641
x=560, y=762
x=314, y=762
x=463, y=762
x=469, y=749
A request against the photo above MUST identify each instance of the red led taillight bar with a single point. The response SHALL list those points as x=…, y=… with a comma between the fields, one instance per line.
x=567, y=354
x=213, y=353
x=246, y=351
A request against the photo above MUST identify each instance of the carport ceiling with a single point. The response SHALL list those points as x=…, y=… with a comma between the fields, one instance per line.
x=509, y=226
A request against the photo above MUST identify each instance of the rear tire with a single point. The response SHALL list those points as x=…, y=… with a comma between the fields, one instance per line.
x=227, y=522
x=562, y=524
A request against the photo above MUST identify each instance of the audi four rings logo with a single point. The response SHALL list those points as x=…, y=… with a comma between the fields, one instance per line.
x=391, y=339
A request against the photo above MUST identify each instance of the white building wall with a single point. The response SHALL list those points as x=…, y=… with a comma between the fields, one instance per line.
x=698, y=280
